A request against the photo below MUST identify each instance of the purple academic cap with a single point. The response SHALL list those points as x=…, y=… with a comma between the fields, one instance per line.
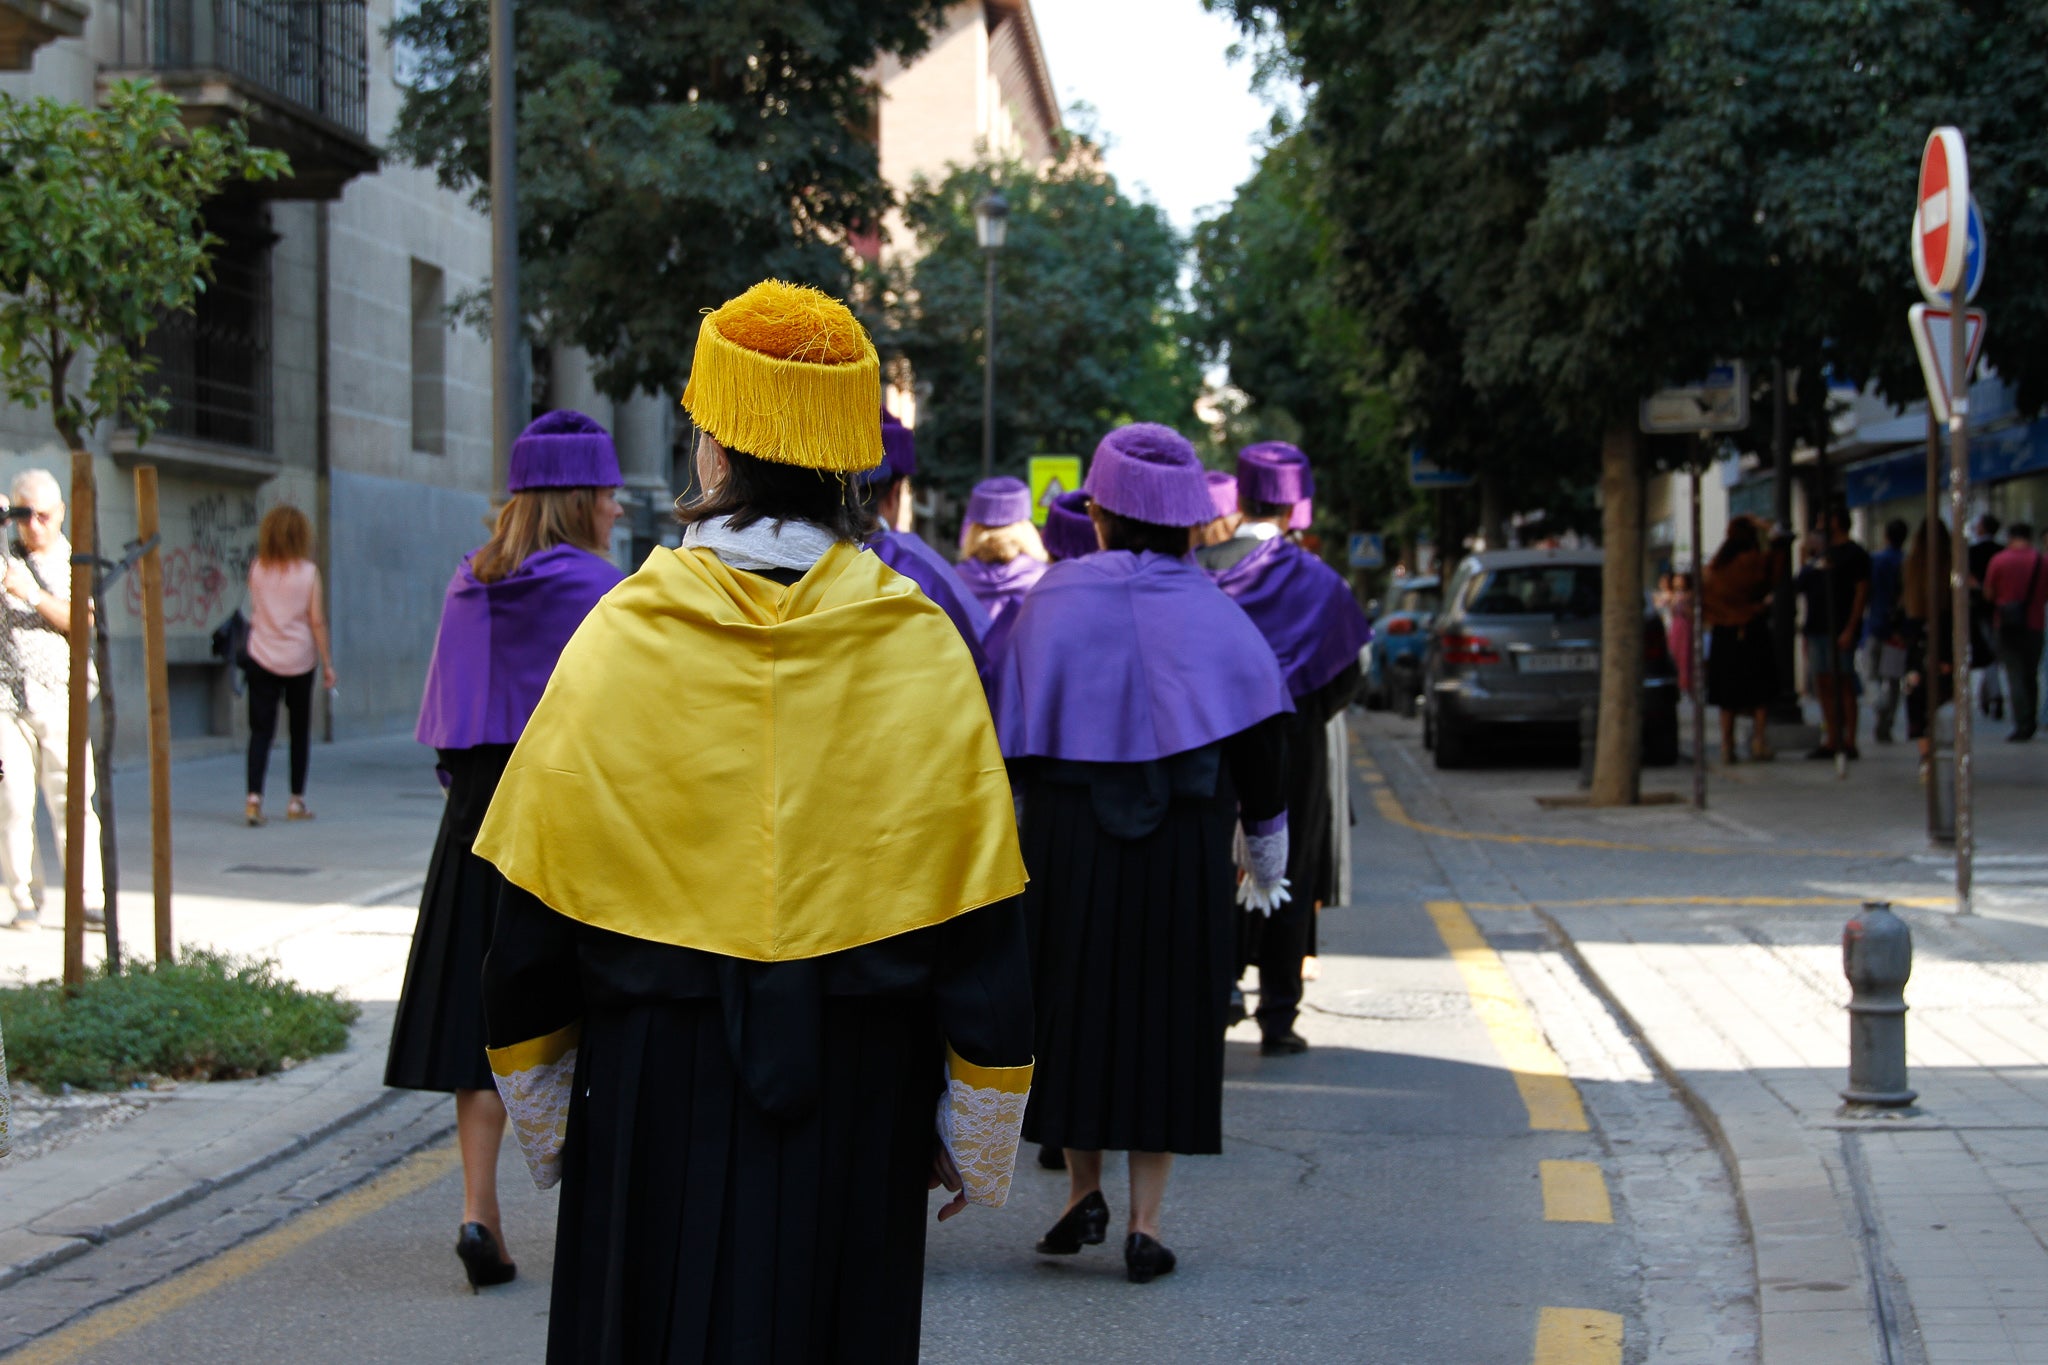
x=1069, y=530
x=1001, y=501
x=1274, y=472
x=899, y=448
x=1149, y=473
x=1222, y=492
x=564, y=449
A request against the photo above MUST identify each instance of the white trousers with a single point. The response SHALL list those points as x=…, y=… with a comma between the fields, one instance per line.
x=33, y=754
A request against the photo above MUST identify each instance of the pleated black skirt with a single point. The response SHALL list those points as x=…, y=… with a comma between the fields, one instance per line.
x=1135, y=951
x=696, y=1227
x=1742, y=667
x=437, y=1040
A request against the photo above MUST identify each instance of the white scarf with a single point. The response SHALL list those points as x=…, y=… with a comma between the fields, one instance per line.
x=763, y=545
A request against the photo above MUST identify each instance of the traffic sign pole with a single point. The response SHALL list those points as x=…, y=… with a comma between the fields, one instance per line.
x=1959, y=607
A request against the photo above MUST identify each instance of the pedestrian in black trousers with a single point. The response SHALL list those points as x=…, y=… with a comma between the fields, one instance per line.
x=287, y=638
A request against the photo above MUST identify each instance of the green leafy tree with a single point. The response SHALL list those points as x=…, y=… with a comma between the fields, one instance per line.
x=669, y=155
x=101, y=236
x=1089, y=328
x=1564, y=204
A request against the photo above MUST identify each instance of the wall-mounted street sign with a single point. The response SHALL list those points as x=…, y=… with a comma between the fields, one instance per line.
x=1719, y=402
x=1368, y=550
x=1931, y=339
x=1941, y=216
x=1423, y=472
x=1052, y=475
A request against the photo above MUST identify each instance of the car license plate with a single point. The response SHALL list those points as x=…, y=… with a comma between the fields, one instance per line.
x=1558, y=661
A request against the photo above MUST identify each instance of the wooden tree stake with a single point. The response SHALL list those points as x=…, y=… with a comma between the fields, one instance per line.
x=156, y=679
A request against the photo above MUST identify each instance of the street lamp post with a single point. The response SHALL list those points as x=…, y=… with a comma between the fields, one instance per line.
x=991, y=226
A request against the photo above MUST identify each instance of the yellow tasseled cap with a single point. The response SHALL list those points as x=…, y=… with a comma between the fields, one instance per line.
x=784, y=372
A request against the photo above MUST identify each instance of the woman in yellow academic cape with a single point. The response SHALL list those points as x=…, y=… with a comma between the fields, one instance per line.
x=758, y=982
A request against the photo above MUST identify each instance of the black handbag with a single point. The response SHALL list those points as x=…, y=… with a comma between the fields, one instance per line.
x=231, y=646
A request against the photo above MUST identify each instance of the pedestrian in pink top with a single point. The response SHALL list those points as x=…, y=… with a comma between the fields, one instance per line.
x=287, y=638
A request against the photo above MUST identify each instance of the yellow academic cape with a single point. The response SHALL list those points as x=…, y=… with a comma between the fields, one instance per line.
x=765, y=772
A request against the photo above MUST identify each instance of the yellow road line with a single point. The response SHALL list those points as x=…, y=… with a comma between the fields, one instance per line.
x=1578, y=1336
x=117, y=1320
x=1390, y=809
x=1734, y=902
x=1547, y=1092
x=1575, y=1192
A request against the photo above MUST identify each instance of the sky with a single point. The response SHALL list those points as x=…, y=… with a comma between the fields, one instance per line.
x=1180, y=118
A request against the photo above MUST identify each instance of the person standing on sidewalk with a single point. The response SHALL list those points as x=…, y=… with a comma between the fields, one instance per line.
x=758, y=983
x=1881, y=636
x=1735, y=597
x=1143, y=717
x=1834, y=585
x=1984, y=548
x=2016, y=586
x=510, y=608
x=287, y=638
x=1930, y=643
x=35, y=701
x=887, y=487
x=1001, y=554
x=1306, y=612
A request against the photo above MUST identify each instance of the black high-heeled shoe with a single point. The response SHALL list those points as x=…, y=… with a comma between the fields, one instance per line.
x=1084, y=1225
x=480, y=1257
x=1146, y=1259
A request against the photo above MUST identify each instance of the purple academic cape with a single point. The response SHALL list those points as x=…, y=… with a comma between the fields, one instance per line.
x=1124, y=658
x=499, y=641
x=907, y=554
x=1000, y=587
x=1304, y=610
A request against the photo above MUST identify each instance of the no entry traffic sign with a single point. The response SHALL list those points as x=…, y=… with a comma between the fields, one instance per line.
x=1941, y=215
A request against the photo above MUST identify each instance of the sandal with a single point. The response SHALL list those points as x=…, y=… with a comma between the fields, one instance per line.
x=252, y=811
x=297, y=810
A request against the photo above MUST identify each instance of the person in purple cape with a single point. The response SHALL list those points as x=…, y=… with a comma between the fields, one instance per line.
x=905, y=551
x=1001, y=555
x=1307, y=613
x=1069, y=530
x=1142, y=716
x=511, y=607
x=1222, y=496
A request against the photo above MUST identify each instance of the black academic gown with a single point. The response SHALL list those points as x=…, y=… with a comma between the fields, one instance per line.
x=744, y=1172
x=1133, y=907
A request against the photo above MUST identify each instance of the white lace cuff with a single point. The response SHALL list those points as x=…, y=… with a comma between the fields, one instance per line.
x=980, y=1117
x=535, y=1079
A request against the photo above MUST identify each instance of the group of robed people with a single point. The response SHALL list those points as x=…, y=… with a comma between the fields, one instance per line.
x=802, y=872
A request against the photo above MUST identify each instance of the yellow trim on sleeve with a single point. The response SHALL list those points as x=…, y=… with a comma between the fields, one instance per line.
x=545, y=1051
x=1009, y=1080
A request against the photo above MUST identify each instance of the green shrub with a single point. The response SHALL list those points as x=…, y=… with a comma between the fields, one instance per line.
x=208, y=1016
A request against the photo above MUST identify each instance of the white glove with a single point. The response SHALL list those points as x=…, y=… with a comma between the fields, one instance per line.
x=1264, y=897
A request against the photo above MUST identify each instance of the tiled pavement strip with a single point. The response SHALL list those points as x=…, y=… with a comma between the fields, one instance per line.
x=1896, y=1240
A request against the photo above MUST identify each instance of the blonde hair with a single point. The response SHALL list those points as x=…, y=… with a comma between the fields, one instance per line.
x=1001, y=544
x=535, y=520
x=284, y=537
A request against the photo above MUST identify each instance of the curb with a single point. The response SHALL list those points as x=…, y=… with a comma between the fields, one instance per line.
x=1797, y=1247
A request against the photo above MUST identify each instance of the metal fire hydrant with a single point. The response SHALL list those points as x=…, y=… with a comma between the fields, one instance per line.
x=1877, y=957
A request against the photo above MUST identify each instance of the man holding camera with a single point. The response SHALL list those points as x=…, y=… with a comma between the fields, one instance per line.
x=35, y=673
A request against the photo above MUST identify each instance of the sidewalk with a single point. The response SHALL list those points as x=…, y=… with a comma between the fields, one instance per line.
x=1716, y=936
x=333, y=900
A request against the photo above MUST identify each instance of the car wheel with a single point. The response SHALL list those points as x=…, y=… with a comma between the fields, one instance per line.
x=1453, y=743
x=1407, y=701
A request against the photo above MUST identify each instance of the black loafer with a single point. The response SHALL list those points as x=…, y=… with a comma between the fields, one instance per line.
x=1084, y=1225
x=481, y=1259
x=1145, y=1259
x=1288, y=1044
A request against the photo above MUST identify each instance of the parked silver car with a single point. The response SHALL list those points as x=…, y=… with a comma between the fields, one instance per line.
x=1517, y=643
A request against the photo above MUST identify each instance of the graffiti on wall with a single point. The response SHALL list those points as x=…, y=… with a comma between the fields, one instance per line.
x=205, y=569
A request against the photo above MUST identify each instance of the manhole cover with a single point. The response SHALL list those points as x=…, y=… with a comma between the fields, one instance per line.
x=262, y=870
x=1397, y=1005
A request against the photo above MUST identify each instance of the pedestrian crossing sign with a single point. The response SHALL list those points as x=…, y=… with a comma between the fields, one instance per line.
x=1052, y=475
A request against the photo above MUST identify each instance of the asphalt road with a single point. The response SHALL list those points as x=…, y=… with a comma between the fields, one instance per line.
x=1384, y=1198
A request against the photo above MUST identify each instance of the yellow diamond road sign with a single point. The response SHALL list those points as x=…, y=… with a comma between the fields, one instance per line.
x=1052, y=475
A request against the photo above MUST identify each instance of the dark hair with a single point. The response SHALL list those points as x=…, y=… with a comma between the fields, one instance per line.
x=762, y=490
x=1263, y=509
x=1896, y=531
x=1989, y=524
x=1125, y=533
x=2019, y=530
x=1743, y=537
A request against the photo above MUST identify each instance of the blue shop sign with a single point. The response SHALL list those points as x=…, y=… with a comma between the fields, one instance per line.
x=1994, y=457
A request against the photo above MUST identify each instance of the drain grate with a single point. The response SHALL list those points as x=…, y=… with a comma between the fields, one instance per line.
x=265, y=870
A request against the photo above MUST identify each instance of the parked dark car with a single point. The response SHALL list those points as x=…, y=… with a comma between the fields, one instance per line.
x=1516, y=645
x=1393, y=661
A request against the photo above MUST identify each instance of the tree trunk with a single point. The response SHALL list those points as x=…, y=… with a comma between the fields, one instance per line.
x=1618, y=755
